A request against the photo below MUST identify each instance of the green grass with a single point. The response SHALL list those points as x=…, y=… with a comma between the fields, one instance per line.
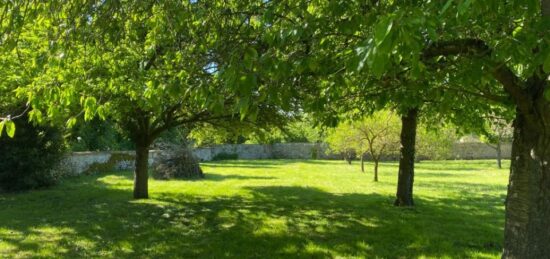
x=270, y=208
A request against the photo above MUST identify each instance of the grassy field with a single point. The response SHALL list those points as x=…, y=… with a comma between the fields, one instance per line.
x=270, y=208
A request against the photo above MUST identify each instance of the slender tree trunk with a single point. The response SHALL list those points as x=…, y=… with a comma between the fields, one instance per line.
x=405, y=178
x=363, y=162
x=141, y=175
x=527, y=226
x=499, y=155
x=375, y=169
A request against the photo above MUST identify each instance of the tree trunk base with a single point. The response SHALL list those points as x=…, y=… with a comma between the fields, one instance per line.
x=141, y=174
x=405, y=178
x=527, y=226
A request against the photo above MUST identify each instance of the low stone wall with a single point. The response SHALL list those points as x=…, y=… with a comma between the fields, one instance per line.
x=275, y=151
x=479, y=151
x=81, y=162
x=90, y=162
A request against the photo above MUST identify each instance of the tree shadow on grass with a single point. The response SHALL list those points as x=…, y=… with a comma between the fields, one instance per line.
x=239, y=165
x=223, y=177
x=90, y=218
x=248, y=163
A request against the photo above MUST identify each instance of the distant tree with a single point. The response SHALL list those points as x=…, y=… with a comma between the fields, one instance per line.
x=497, y=132
x=377, y=135
x=303, y=131
x=343, y=140
x=435, y=143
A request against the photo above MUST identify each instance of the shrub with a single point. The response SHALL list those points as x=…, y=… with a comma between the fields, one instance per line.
x=28, y=160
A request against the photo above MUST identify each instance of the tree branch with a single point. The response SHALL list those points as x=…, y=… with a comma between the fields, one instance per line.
x=512, y=84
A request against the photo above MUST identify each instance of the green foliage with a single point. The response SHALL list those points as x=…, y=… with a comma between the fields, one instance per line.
x=97, y=135
x=377, y=134
x=496, y=131
x=31, y=158
x=282, y=130
x=435, y=143
x=303, y=131
x=147, y=66
x=207, y=135
x=343, y=140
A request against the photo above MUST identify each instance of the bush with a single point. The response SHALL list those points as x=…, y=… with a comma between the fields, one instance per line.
x=178, y=163
x=28, y=160
x=225, y=156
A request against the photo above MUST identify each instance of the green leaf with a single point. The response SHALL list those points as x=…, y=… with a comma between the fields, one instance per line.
x=71, y=122
x=250, y=56
x=382, y=30
x=10, y=128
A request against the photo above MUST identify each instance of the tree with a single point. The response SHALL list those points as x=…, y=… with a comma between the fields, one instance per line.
x=342, y=139
x=147, y=66
x=377, y=135
x=435, y=142
x=496, y=132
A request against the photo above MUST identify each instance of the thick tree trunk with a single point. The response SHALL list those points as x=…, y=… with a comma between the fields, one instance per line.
x=499, y=155
x=527, y=227
x=375, y=170
x=405, y=178
x=141, y=175
x=363, y=162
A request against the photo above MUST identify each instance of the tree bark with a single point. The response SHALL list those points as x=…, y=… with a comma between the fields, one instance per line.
x=141, y=174
x=405, y=178
x=527, y=226
x=375, y=170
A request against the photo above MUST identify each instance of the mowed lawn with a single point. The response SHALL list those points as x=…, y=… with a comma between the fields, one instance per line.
x=264, y=209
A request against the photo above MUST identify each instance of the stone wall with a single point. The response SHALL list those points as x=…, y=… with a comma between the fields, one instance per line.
x=81, y=162
x=476, y=150
x=90, y=162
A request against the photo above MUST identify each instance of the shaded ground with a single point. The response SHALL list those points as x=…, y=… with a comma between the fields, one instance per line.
x=272, y=208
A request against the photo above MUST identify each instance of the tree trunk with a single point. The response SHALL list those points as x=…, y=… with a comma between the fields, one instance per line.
x=405, y=178
x=375, y=170
x=499, y=155
x=363, y=162
x=141, y=175
x=527, y=227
